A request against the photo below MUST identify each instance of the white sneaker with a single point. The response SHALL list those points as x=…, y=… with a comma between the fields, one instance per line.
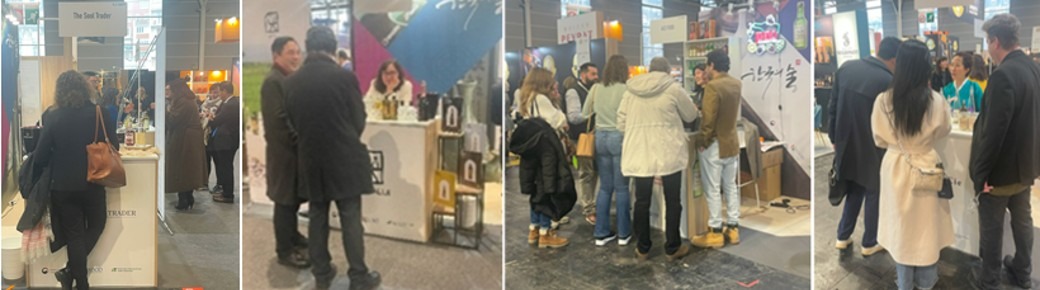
x=841, y=245
x=624, y=241
x=604, y=240
x=872, y=250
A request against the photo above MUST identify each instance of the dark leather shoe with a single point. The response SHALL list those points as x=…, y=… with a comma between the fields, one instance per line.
x=326, y=281
x=370, y=280
x=223, y=199
x=64, y=277
x=1026, y=283
x=295, y=260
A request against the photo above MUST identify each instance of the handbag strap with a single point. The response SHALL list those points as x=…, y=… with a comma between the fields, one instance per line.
x=99, y=120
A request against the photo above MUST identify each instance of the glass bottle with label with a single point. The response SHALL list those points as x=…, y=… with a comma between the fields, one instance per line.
x=801, y=28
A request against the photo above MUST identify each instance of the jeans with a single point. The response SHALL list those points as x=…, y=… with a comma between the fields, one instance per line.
x=854, y=199
x=287, y=235
x=586, y=184
x=83, y=215
x=608, y=160
x=713, y=171
x=225, y=163
x=541, y=220
x=353, y=237
x=991, y=233
x=908, y=277
x=673, y=212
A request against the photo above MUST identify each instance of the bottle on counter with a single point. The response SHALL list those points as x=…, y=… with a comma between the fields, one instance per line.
x=964, y=117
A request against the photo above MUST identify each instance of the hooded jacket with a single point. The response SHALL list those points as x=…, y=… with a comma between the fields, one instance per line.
x=544, y=170
x=651, y=115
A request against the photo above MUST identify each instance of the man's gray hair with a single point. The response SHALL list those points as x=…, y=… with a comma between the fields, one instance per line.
x=1003, y=27
x=660, y=64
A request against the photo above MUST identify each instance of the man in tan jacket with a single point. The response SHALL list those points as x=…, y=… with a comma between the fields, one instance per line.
x=719, y=150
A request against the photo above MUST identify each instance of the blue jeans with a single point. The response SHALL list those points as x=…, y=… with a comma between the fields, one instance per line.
x=908, y=277
x=540, y=220
x=719, y=175
x=608, y=161
x=854, y=200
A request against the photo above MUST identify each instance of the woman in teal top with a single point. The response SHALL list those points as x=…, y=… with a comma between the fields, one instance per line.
x=963, y=90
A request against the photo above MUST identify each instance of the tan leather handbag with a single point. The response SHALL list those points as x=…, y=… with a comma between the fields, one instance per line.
x=587, y=141
x=104, y=165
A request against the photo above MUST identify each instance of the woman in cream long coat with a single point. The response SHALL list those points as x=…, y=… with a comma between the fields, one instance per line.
x=914, y=225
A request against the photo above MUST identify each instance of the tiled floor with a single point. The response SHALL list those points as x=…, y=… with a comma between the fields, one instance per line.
x=774, y=262
x=850, y=270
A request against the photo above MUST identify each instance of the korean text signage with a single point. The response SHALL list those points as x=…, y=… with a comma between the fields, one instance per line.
x=92, y=19
x=581, y=27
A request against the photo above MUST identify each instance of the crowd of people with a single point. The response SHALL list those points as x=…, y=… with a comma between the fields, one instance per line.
x=201, y=137
x=890, y=110
x=639, y=127
x=313, y=118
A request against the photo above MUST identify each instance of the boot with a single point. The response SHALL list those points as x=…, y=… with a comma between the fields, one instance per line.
x=732, y=234
x=551, y=240
x=713, y=239
x=532, y=236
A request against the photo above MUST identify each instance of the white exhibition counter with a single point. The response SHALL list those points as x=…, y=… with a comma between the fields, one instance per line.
x=404, y=156
x=125, y=256
x=955, y=151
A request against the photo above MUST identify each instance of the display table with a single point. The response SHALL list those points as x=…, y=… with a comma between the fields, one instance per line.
x=125, y=255
x=955, y=151
x=403, y=156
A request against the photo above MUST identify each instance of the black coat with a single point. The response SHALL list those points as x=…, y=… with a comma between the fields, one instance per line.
x=34, y=183
x=544, y=168
x=324, y=103
x=856, y=85
x=1005, y=147
x=63, y=145
x=281, y=146
x=224, y=128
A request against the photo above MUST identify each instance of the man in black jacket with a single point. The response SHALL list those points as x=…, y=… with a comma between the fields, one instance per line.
x=224, y=140
x=1005, y=154
x=281, y=155
x=324, y=105
x=856, y=159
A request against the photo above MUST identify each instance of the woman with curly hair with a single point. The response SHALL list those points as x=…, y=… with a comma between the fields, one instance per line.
x=68, y=127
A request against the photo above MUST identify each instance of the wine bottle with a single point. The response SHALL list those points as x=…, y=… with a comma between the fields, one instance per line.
x=801, y=28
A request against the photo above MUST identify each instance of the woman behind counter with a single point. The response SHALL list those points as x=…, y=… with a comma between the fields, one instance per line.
x=68, y=127
x=389, y=84
x=963, y=91
x=185, y=152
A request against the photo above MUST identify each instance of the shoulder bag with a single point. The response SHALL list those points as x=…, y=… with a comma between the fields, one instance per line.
x=104, y=165
x=926, y=175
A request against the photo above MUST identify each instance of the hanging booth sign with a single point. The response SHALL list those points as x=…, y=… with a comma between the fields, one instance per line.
x=580, y=27
x=668, y=30
x=92, y=19
x=764, y=37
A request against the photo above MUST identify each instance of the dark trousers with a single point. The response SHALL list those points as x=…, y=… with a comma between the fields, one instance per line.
x=82, y=215
x=209, y=165
x=673, y=211
x=225, y=163
x=353, y=237
x=991, y=235
x=859, y=197
x=286, y=234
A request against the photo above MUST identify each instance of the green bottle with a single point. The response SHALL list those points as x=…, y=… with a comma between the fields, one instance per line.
x=801, y=28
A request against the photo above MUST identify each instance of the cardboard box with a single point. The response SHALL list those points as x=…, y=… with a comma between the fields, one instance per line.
x=769, y=182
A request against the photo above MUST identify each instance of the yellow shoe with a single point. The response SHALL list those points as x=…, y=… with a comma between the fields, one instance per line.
x=532, y=236
x=732, y=235
x=712, y=239
x=551, y=240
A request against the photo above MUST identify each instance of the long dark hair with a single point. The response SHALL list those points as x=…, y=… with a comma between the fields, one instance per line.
x=616, y=70
x=938, y=65
x=911, y=95
x=72, y=90
x=380, y=86
x=979, y=71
